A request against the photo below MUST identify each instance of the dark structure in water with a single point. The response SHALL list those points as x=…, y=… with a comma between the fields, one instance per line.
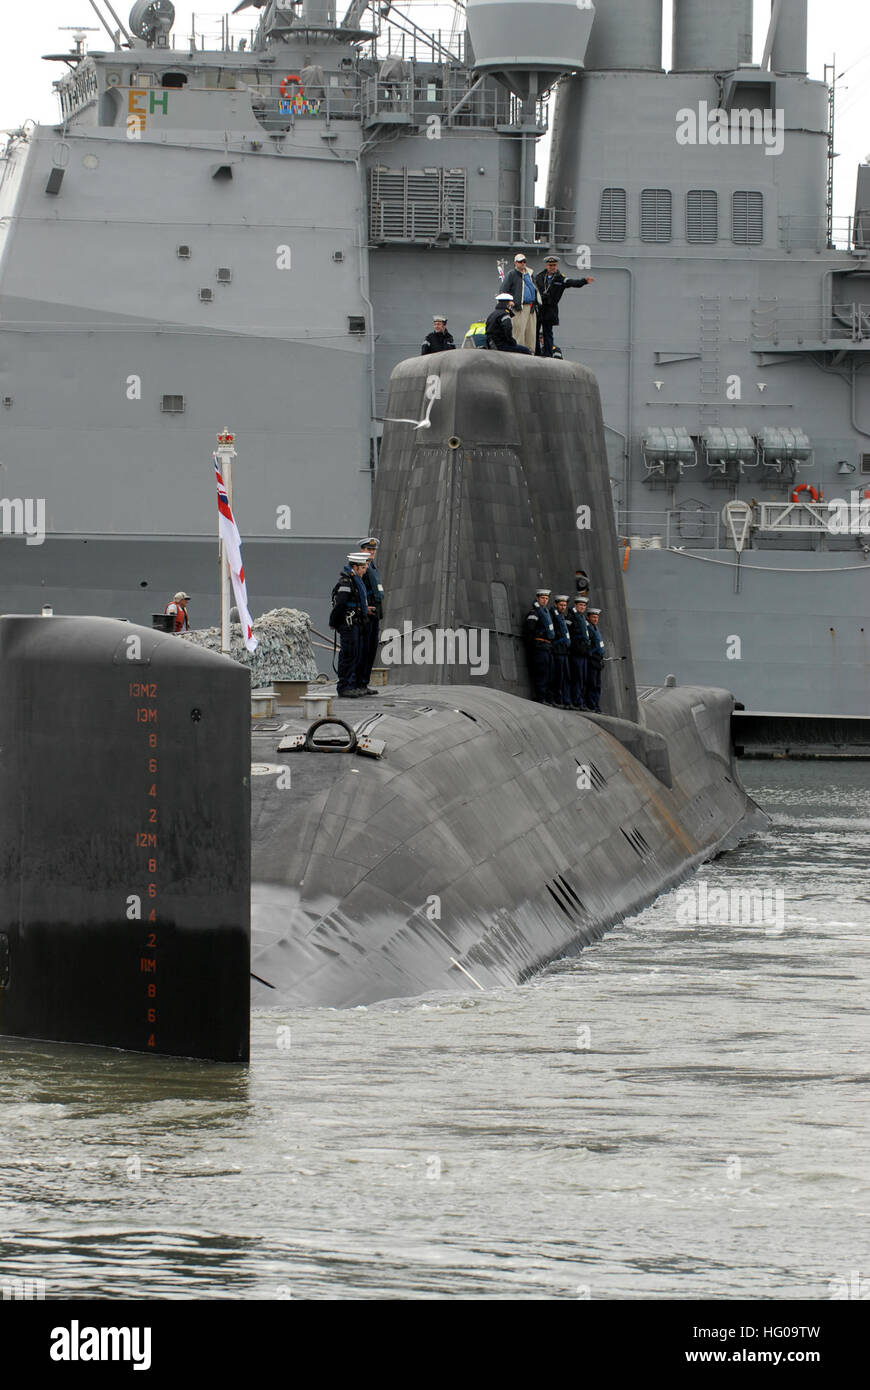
x=124, y=839
x=493, y=835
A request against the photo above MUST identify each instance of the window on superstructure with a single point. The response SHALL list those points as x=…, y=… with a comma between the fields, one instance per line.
x=174, y=79
x=702, y=215
x=611, y=215
x=655, y=214
x=747, y=218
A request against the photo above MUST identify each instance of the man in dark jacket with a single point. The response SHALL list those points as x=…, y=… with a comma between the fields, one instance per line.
x=439, y=340
x=578, y=629
x=559, y=680
x=375, y=593
x=520, y=285
x=499, y=333
x=594, y=663
x=349, y=619
x=540, y=634
x=551, y=285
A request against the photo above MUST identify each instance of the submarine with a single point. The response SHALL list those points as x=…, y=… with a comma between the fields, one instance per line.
x=163, y=866
x=124, y=839
x=449, y=834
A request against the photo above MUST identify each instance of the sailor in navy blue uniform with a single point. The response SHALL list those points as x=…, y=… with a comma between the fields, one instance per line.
x=559, y=691
x=375, y=595
x=349, y=618
x=594, y=663
x=578, y=629
x=540, y=634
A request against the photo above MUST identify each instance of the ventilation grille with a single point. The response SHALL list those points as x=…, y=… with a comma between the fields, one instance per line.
x=611, y=217
x=637, y=842
x=865, y=463
x=356, y=323
x=183, y=253
x=566, y=898
x=172, y=405
x=206, y=296
x=596, y=776
x=655, y=214
x=702, y=215
x=417, y=205
x=224, y=275
x=747, y=219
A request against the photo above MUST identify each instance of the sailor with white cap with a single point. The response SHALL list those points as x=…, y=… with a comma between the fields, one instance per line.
x=595, y=662
x=499, y=334
x=375, y=595
x=579, y=630
x=439, y=340
x=177, y=610
x=349, y=619
x=559, y=691
x=540, y=634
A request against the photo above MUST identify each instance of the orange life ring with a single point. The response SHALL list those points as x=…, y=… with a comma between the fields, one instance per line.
x=285, y=83
x=807, y=487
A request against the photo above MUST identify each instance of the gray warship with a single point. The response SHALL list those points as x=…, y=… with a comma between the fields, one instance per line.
x=263, y=228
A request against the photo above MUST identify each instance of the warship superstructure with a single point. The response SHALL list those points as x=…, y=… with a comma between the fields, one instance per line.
x=256, y=233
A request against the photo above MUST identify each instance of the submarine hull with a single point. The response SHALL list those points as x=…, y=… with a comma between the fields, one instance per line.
x=490, y=838
x=124, y=839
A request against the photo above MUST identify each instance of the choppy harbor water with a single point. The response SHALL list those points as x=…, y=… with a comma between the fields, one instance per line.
x=680, y=1112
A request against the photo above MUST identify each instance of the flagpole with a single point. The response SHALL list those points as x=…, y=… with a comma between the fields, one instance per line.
x=226, y=453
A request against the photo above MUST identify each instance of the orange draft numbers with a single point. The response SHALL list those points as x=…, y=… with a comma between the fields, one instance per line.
x=143, y=698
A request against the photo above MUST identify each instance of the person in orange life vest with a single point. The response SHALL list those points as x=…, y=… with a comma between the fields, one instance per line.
x=177, y=608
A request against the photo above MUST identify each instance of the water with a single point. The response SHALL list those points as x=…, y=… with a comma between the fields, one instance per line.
x=678, y=1113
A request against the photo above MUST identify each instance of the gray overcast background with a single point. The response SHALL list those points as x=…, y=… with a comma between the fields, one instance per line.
x=29, y=28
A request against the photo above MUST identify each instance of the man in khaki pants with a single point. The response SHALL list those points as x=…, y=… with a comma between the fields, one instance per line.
x=520, y=284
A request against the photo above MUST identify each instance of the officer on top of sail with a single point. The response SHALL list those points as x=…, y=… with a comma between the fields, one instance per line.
x=349, y=619
x=551, y=285
x=499, y=334
x=439, y=340
x=375, y=595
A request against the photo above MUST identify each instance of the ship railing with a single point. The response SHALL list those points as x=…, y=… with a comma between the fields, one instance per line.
x=694, y=527
x=797, y=232
x=450, y=220
x=426, y=99
x=775, y=322
x=795, y=517
x=433, y=47
x=690, y=527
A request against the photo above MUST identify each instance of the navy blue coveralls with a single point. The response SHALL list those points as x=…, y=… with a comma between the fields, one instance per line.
x=559, y=691
x=593, y=668
x=540, y=634
x=375, y=597
x=579, y=631
x=349, y=618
